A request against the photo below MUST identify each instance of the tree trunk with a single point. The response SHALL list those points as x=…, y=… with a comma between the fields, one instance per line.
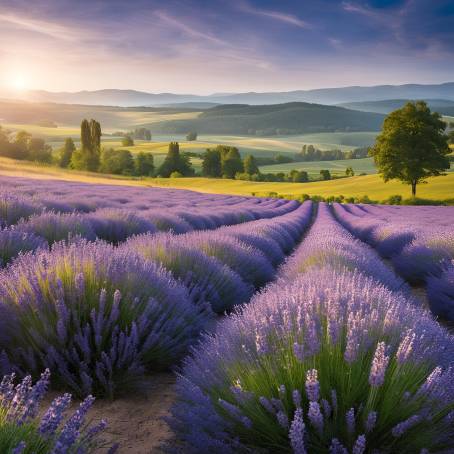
x=413, y=188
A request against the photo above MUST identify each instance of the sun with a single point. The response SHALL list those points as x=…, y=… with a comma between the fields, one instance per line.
x=18, y=82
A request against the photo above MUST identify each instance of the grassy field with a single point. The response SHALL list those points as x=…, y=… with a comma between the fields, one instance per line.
x=371, y=185
x=365, y=165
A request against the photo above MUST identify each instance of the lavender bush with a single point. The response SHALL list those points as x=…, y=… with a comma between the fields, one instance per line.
x=97, y=316
x=427, y=255
x=115, y=225
x=248, y=262
x=329, y=244
x=13, y=208
x=333, y=362
x=207, y=279
x=56, y=226
x=23, y=431
x=14, y=241
x=440, y=293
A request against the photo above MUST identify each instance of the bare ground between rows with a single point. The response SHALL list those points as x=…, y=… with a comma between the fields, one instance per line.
x=135, y=420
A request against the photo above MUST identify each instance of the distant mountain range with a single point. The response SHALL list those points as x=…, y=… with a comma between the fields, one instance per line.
x=442, y=106
x=130, y=98
x=274, y=119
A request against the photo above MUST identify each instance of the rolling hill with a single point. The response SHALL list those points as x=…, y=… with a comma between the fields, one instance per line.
x=276, y=119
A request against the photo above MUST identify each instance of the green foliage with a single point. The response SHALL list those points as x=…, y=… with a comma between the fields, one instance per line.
x=176, y=175
x=231, y=162
x=394, y=200
x=250, y=165
x=211, y=164
x=127, y=141
x=66, y=152
x=175, y=162
x=142, y=134
x=25, y=147
x=144, y=164
x=298, y=176
x=349, y=172
x=325, y=174
x=451, y=137
x=117, y=162
x=190, y=136
x=88, y=157
x=412, y=145
x=39, y=151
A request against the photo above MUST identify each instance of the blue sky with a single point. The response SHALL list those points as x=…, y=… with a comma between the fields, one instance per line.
x=205, y=46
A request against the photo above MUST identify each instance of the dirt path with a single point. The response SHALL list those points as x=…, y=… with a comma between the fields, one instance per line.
x=135, y=421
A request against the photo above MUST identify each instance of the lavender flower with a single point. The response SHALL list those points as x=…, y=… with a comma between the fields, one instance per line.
x=296, y=433
x=379, y=365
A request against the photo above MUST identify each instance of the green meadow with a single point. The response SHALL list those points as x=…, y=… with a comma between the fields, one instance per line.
x=439, y=188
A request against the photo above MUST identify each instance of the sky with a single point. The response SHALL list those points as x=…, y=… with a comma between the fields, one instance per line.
x=212, y=46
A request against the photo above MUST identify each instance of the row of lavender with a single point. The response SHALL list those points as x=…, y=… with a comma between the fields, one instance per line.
x=418, y=240
x=33, y=218
x=334, y=357
x=100, y=316
x=92, y=312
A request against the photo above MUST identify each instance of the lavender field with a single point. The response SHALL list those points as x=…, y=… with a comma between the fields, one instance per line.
x=304, y=328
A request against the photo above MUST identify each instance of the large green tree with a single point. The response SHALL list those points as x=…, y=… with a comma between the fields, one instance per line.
x=412, y=145
x=250, y=165
x=175, y=162
x=66, y=152
x=211, y=164
x=144, y=164
x=231, y=162
x=88, y=157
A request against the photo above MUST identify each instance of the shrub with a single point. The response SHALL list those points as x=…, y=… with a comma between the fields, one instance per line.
x=176, y=175
x=247, y=261
x=116, y=225
x=13, y=208
x=269, y=247
x=394, y=200
x=428, y=254
x=440, y=293
x=167, y=222
x=15, y=241
x=319, y=365
x=56, y=226
x=23, y=431
x=207, y=279
x=95, y=315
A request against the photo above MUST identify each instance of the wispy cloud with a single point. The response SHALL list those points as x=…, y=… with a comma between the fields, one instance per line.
x=48, y=28
x=275, y=15
x=189, y=30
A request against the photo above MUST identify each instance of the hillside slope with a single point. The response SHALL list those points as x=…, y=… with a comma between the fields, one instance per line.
x=289, y=118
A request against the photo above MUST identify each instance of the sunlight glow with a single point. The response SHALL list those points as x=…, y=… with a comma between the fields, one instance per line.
x=17, y=82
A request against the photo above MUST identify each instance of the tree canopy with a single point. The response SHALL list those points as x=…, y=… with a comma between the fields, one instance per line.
x=175, y=162
x=412, y=145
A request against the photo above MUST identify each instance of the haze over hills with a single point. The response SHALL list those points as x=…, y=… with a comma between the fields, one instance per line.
x=230, y=119
x=321, y=96
x=442, y=106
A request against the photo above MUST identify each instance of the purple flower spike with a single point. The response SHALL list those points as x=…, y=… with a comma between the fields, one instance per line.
x=360, y=445
x=312, y=385
x=379, y=365
x=296, y=433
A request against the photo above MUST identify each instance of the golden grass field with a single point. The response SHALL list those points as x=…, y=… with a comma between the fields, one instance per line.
x=372, y=185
